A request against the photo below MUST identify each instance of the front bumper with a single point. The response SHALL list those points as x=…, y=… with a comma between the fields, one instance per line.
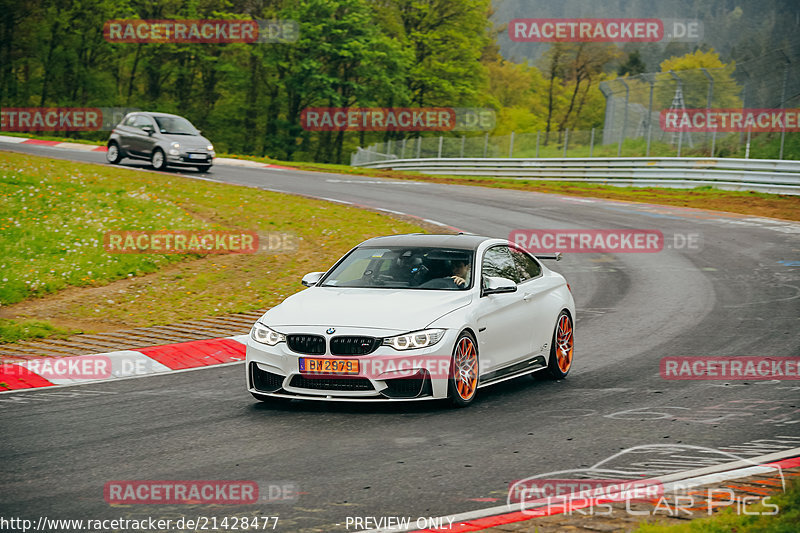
x=384, y=375
x=191, y=159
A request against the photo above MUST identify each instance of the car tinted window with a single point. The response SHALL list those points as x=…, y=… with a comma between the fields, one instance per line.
x=403, y=268
x=131, y=120
x=527, y=267
x=176, y=126
x=497, y=262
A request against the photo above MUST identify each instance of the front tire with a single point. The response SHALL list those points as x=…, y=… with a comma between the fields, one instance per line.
x=113, y=154
x=562, y=348
x=463, y=381
x=158, y=160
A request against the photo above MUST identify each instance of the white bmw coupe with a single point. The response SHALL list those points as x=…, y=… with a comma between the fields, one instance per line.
x=415, y=317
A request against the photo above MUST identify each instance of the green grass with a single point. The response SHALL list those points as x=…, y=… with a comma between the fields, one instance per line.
x=53, y=215
x=52, y=219
x=14, y=330
x=726, y=521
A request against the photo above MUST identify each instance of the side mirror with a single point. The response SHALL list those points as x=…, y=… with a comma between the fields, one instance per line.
x=494, y=285
x=148, y=129
x=311, y=279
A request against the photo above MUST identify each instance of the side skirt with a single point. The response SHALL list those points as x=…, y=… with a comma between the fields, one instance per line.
x=514, y=371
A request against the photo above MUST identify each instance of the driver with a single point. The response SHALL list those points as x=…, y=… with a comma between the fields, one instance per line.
x=460, y=269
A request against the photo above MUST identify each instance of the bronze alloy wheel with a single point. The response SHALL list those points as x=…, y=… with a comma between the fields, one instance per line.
x=563, y=348
x=463, y=381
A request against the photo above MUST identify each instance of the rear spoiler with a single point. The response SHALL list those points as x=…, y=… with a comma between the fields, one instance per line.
x=554, y=256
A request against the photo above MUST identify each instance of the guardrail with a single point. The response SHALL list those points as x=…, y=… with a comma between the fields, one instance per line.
x=762, y=175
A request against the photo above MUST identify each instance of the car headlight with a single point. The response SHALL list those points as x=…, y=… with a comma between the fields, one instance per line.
x=414, y=340
x=210, y=147
x=265, y=335
x=176, y=149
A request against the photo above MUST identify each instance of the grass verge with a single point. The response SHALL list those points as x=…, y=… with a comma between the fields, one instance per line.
x=54, y=213
x=14, y=330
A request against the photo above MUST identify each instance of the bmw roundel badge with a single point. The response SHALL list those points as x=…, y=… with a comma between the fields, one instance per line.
x=331, y=331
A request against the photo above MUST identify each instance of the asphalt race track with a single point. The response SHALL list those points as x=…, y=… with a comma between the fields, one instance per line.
x=738, y=294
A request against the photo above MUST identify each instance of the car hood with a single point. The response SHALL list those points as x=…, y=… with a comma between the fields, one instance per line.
x=395, y=309
x=188, y=141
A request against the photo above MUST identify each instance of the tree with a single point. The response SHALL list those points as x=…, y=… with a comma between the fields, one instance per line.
x=695, y=83
x=633, y=66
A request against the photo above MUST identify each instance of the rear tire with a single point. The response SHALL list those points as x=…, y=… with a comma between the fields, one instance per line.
x=113, y=154
x=562, y=348
x=158, y=160
x=462, y=384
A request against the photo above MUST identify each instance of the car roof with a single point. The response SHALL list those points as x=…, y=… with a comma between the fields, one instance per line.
x=462, y=241
x=154, y=114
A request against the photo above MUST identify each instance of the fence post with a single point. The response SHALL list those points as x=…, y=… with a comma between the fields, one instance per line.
x=463, y=140
x=511, y=146
x=419, y=147
x=783, y=102
x=403, y=150
x=713, y=142
x=538, y=133
x=566, y=140
x=441, y=138
x=389, y=147
x=680, y=142
x=747, y=148
x=591, y=144
x=650, y=115
x=710, y=95
x=485, y=144
x=624, y=117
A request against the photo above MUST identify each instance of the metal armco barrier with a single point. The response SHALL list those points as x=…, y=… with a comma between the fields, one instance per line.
x=762, y=175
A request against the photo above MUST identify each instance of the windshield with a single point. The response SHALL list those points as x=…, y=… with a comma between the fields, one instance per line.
x=404, y=268
x=176, y=126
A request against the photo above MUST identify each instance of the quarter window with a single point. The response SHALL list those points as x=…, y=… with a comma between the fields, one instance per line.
x=142, y=121
x=527, y=267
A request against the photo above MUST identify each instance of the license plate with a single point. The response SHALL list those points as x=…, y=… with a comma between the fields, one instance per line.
x=328, y=366
x=197, y=156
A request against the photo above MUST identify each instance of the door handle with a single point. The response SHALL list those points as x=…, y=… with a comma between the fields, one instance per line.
x=527, y=297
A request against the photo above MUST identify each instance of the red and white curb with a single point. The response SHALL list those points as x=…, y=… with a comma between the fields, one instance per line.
x=93, y=368
x=54, y=144
x=500, y=515
x=95, y=148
